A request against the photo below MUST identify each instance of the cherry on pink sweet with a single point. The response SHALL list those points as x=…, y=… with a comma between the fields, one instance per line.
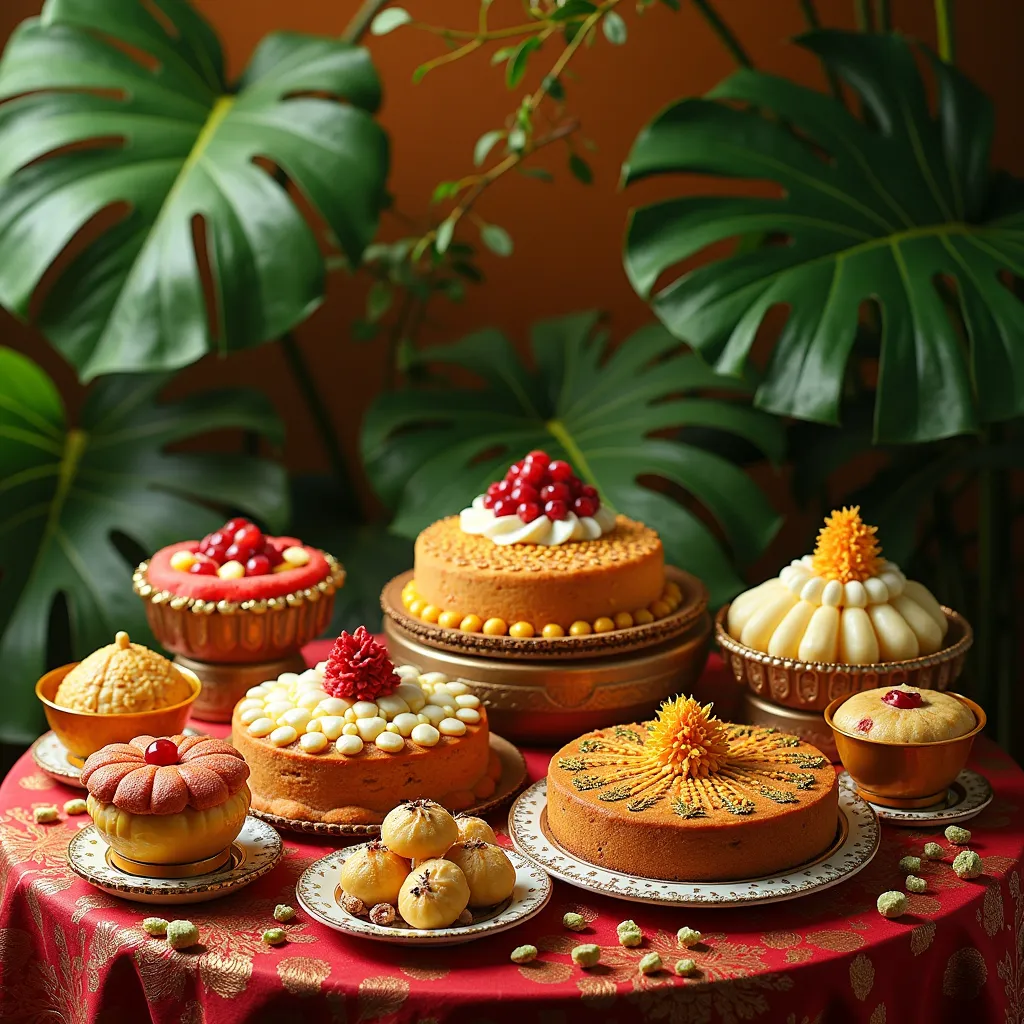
x=903, y=699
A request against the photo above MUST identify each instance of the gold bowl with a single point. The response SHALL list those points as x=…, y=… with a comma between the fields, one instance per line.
x=810, y=686
x=84, y=732
x=904, y=775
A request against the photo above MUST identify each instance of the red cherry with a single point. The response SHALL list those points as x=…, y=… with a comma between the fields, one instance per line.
x=504, y=507
x=538, y=455
x=533, y=473
x=203, y=566
x=232, y=526
x=514, y=470
x=584, y=507
x=556, y=510
x=162, y=752
x=589, y=491
x=272, y=554
x=489, y=500
x=528, y=511
x=903, y=699
x=258, y=565
x=216, y=539
x=554, y=492
x=493, y=488
x=559, y=471
x=524, y=492
x=503, y=487
x=249, y=536
x=239, y=553
x=575, y=486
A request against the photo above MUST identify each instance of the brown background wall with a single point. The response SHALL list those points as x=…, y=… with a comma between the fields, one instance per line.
x=568, y=236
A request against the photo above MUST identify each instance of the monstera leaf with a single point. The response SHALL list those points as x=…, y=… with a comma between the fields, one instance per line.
x=429, y=452
x=73, y=498
x=899, y=208
x=119, y=120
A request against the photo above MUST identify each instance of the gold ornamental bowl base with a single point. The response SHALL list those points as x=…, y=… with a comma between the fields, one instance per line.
x=810, y=726
x=188, y=870
x=224, y=685
x=550, y=701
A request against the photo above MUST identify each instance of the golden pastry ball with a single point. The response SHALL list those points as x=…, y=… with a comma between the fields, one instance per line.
x=489, y=872
x=419, y=829
x=374, y=874
x=433, y=895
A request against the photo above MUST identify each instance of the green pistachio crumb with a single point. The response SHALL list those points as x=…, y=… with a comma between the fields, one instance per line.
x=154, y=926
x=892, y=904
x=182, y=934
x=684, y=968
x=688, y=937
x=75, y=806
x=967, y=864
x=650, y=963
x=574, y=922
x=933, y=850
x=45, y=815
x=629, y=933
x=282, y=912
x=910, y=864
x=915, y=884
x=524, y=954
x=958, y=836
x=586, y=955
x=274, y=936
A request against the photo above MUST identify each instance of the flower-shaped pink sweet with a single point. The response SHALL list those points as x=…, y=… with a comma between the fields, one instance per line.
x=208, y=772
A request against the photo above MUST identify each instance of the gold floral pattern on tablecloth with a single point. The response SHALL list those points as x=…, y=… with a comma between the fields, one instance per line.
x=380, y=997
x=965, y=974
x=303, y=975
x=862, y=976
x=837, y=940
x=51, y=988
x=1010, y=968
x=922, y=937
x=36, y=781
x=425, y=968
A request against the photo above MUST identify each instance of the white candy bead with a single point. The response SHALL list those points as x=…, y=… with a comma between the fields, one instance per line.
x=261, y=727
x=441, y=690
x=467, y=700
x=313, y=742
x=391, y=727
x=316, y=725
x=448, y=703
x=832, y=595
x=350, y=715
x=288, y=678
x=391, y=705
x=433, y=713
x=349, y=729
x=311, y=699
x=468, y=715
x=812, y=590
x=310, y=678
x=297, y=718
x=256, y=691
x=423, y=719
x=452, y=727
x=854, y=595
x=250, y=716
x=408, y=673
x=425, y=736
x=251, y=702
x=278, y=693
x=276, y=708
x=412, y=695
x=370, y=728
x=332, y=726
x=390, y=742
x=433, y=678
x=405, y=723
x=365, y=709
x=878, y=592
x=456, y=688
x=283, y=735
x=333, y=706
x=348, y=745
x=894, y=583
x=321, y=667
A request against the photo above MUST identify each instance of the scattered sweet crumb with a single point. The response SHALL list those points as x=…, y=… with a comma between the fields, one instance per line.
x=933, y=850
x=586, y=955
x=649, y=963
x=182, y=934
x=45, y=815
x=282, y=912
x=958, y=836
x=685, y=968
x=274, y=936
x=967, y=864
x=892, y=904
x=688, y=937
x=154, y=926
x=916, y=884
x=524, y=954
x=574, y=922
x=75, y=806
x=910, y=864
x=382, y=914
x=356, y=907
x=629, y=933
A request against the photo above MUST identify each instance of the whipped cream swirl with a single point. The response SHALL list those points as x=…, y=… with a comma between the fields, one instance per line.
x=549, y=532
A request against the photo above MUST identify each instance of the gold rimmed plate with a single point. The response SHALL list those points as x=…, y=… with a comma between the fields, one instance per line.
x=513, y=777
x=319, y=893
x=855, y=843
x=255, y=852
x=966, y=797
x=455, y=641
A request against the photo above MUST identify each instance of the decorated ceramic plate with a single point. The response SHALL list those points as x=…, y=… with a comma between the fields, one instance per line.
x=969, y=794
x=855, y=843
x=319, y=893
x=513, y=776
x=256, y=850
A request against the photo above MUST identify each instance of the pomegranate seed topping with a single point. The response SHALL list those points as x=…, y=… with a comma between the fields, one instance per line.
x=560, y=471
x=504, y=507
x=556, y=510
x=504, y=486
x=162, y=752
x=514, y=470
x=493, y=489
x=232, y=526
x=528, y=511
x=258, y=565
x=538, y=455
x=489, y=500
x=533, y=473
x=273, y=555
x=904, y=699
x=239, y=553
x=249, y=536
x=217, y=539
x=203, y=566
x=524, y=492
x=554, y=492
x=218, y=553
x=575, y=486
x=589, y=491
x=584, y=507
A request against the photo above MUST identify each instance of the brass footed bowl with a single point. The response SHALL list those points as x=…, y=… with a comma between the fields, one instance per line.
x=84, y=732
x=904, y=775
x=810, y=686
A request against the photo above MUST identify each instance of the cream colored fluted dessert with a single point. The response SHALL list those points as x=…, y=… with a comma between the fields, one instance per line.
x=842, y=604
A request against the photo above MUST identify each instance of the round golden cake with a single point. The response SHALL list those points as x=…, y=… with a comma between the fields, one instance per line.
x=690, y=798
x=341, y=754
x=622, y=571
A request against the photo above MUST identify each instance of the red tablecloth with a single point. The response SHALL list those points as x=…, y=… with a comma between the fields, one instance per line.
x=71, y=953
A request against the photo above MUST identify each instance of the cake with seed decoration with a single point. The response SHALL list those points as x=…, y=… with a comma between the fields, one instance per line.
x=346, y=741
x=687, y=797
x=539, y=555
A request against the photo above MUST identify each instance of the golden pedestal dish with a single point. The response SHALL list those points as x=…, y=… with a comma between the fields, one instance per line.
x=224, y=685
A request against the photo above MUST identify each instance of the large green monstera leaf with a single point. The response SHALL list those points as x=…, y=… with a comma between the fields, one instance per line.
x=73, y=498
x=899, y=208
x=430, y=451
x=122, y=122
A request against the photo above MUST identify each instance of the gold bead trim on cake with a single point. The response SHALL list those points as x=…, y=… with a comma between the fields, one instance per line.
x=199, y=606
x=697, y=763
x=671, y=598
x=295, y=711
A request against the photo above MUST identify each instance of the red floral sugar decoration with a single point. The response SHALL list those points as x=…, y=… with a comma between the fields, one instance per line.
x=359, y=669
